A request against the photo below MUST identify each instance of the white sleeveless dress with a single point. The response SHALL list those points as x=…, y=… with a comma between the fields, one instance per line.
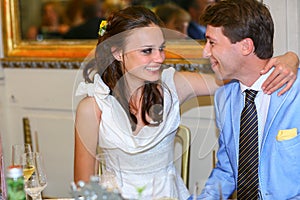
x=147, y=155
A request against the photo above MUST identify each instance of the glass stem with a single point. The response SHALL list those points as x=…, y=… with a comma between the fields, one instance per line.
x=36, y=197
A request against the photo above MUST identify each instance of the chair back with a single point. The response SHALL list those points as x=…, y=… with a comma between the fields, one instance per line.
x=27, y=131
x=183, y=135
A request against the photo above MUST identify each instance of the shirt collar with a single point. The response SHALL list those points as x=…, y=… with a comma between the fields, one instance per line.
x=258, y=83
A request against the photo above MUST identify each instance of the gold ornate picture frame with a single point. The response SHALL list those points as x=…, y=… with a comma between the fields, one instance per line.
x=74, y=51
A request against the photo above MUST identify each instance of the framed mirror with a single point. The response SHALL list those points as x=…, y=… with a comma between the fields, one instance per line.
x=18, y=48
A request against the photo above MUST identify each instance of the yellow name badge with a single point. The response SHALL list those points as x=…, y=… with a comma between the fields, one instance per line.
x=286, y=134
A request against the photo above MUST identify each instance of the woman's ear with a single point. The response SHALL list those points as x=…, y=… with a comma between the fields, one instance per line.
x=116, y=53
x=247, y=46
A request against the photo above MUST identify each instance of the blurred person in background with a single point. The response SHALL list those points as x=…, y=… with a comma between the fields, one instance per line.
x=90, y=21
x=150, y=3
x=174, y=17
x=108, y=6
x=53, y=24
x=74, y=12
x=196, y=8
x=89, y=15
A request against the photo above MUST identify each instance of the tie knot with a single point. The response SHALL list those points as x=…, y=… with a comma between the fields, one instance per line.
x=250, y=95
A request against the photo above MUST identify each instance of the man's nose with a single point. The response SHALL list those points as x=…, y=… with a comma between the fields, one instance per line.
x=206, y=50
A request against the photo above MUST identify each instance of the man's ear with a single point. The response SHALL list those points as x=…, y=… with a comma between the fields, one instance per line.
x=117, y=53
x=247, y=46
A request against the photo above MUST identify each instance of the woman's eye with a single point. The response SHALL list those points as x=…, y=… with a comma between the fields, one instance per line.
x=147, y=51
x=162, y=48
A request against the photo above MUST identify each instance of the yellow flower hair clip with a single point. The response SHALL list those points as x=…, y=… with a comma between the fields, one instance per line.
x=102, y=27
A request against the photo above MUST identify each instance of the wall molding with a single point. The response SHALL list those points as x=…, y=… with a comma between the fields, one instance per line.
x=192, y=67
x=42, y=64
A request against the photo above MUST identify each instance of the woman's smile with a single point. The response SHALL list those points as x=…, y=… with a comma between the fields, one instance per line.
x=149, y=68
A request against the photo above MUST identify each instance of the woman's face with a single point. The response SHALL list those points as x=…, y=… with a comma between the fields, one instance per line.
x=144, y=53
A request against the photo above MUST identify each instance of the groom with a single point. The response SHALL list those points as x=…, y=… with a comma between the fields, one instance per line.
x=239, y=43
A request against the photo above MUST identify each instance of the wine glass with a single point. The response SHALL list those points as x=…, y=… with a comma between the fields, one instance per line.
x=37, y=180
x=164, y=187
x=17, y=151
x=109, y=171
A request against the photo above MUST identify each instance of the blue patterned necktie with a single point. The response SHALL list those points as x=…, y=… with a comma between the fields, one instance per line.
x=248, y=150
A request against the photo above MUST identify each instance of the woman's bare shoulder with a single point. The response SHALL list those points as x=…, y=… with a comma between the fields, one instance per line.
x=88, y=106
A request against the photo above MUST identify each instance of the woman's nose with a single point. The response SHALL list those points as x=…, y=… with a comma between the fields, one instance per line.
x=159, y=56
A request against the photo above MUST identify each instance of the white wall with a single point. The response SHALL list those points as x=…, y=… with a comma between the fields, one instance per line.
x=45, y=96
x=286, y=15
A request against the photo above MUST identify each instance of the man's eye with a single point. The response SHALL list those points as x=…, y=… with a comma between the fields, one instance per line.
x=211, y=43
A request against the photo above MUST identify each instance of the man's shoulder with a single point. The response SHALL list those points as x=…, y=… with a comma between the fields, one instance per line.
x=228, y=88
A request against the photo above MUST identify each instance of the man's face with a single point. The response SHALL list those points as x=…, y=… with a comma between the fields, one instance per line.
x=224, y=56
